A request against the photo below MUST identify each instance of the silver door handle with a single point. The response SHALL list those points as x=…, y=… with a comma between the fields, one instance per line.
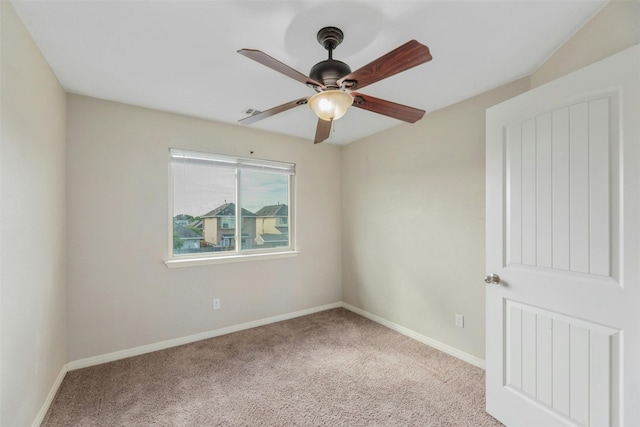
x=492, y=279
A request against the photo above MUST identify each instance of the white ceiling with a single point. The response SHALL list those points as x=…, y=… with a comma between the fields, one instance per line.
x=180, y=55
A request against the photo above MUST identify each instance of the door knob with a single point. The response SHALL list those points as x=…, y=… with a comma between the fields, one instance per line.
x=492, y=279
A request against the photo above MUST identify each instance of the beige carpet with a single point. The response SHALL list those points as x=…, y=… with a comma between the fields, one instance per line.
x=333, y=368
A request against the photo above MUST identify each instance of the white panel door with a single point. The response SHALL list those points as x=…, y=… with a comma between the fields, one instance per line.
x=563, y=235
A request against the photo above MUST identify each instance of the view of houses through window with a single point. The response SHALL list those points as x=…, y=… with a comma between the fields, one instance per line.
x=205, y=207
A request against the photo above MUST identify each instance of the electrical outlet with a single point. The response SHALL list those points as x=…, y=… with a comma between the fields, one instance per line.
x=459, y=320
x=216, y=303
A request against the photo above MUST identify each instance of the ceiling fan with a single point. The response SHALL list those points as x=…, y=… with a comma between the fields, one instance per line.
x=335, y=83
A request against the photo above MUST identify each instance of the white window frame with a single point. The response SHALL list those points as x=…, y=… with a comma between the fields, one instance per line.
x=238, y=255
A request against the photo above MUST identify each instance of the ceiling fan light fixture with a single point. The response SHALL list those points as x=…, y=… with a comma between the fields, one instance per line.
x=330, y=104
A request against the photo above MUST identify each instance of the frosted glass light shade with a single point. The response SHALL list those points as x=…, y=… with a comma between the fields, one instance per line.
x=330, y=104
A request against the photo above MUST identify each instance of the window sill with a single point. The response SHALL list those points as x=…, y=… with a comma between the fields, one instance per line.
x=194, y=262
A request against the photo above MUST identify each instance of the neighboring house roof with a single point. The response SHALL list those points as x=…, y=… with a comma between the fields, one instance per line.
x=196, y=224
x=228, y=209
x=183, y=217
x=274, y=210
x=273, y=238
x=233, y=236
x=185, y=233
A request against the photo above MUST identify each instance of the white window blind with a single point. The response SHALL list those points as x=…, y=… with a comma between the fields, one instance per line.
x=221, y=160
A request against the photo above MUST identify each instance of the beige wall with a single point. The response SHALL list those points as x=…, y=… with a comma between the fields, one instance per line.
x=614, y=29
x=210, y=230
x=32, y=225
x=430, y=265
x=413, y=221
x=121, y=294
x=265, y=225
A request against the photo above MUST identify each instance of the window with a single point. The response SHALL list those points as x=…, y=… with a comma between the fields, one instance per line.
x=225, y=206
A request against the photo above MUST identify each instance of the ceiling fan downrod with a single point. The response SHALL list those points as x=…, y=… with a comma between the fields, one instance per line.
x=331, y=70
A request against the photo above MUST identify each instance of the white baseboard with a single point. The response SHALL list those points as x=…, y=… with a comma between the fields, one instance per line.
x=47, y=402
x=480, y=363
x=123, y=354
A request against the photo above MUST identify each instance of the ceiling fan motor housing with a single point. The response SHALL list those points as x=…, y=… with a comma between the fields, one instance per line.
x=329, y=72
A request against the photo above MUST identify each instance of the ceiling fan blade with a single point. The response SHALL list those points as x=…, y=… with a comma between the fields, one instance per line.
x=272, y=111
x=387, y=108
x=323, y=131
x=400, y=59
x=274, y=64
